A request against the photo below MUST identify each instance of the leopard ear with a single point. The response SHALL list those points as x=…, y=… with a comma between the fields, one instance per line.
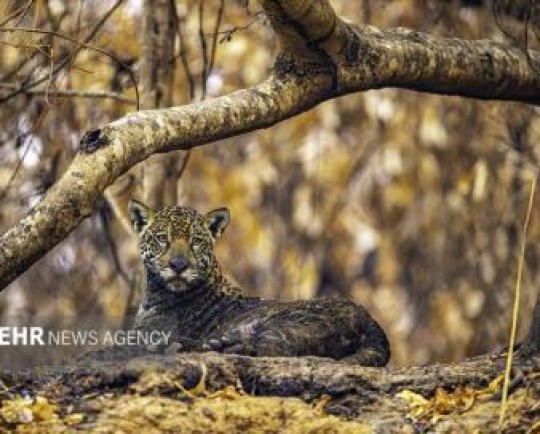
x=140, y=215
x=217, y=220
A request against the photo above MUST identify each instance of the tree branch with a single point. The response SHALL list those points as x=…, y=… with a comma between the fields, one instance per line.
x=90, y=94
x=135, y=137
x=313, y=37
x=322, y=57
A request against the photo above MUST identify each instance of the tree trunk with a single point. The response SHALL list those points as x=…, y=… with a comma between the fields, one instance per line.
x=532, y=342
x=158, y=174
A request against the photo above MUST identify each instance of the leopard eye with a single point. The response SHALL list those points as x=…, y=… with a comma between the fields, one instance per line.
x=162, y=240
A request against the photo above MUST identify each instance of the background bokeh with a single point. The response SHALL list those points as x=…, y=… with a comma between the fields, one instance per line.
x=411, y=204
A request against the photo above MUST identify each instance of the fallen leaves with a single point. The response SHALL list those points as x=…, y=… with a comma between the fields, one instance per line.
x=480, y=404
x=224, y=412
x=26, y=410
x=161, y=401
x=461, y=400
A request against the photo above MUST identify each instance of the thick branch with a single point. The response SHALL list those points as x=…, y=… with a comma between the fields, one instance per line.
x=364, y=57
x=413, y=60
x=135, y=137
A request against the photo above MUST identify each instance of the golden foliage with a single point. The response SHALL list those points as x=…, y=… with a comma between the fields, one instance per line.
x=443, y=402
x=405, y=202
x=34, y=415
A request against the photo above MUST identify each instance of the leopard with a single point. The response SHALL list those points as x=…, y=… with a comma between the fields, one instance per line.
x=188, y=296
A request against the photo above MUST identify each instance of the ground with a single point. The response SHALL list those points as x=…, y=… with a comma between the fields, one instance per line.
x=125, y=391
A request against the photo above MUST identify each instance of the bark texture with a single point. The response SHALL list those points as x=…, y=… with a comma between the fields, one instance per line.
x=363, y=57
x=322, y=57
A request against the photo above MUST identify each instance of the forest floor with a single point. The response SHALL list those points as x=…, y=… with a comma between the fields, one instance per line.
x=126, y=391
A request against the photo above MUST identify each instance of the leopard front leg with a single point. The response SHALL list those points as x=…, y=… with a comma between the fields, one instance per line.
x=253, y=338
x=240, y=338
x=333, y=328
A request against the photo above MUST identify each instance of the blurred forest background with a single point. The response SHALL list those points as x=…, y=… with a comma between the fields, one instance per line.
x=411, y=204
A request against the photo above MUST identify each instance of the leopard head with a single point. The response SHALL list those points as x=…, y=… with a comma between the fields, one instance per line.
x=177, y=243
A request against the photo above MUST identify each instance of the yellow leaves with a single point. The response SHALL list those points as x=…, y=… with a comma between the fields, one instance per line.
x=449, y=318
x=432, y=129
x=217, y=414
x=42, y=409
x=381, y=105
x=429, y=171
x=481, y=176
x=154, y=382
x=417, y=403
x=10, y=55
x=17, y=410
x=398, y=196
x=227, y=410
x=320, y=405
x=468, y=408
x=535, y=428
x=73, y=419
x=300, y=270
x=445, y=403
x=122, y=35
x=305, y=216
x=331, y=166
x=21, y=410
x=230, y=393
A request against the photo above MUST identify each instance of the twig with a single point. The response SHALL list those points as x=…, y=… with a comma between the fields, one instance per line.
x=366, y=11
x=213, y=48
x=504, y=403
x=183, y=55
x=37, y=47
x=11, y=179
x=62, y=36
x=95, y=94
x=26, y=9
x=112, y=246
x=498, y=23
x=202, y=41
x=259, y=15
x=522, y=42
x=526, y=37
x=17, y=13
x=50, y=81
x=71, y=58
x=183, y=164
x=55, y=25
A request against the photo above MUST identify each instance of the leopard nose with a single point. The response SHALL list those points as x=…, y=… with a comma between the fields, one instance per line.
x=178, y=263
